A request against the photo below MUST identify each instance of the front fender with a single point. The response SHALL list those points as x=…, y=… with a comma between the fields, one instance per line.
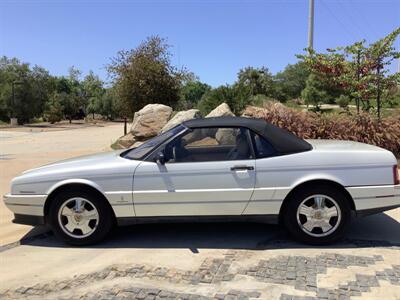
x=75, y=181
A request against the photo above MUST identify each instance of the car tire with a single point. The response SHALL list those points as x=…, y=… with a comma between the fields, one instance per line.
x=80, y=218
x=317, y=215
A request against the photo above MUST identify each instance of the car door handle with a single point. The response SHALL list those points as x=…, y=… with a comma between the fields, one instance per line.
x=242, y=168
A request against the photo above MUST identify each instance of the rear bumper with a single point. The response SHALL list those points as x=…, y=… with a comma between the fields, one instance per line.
x=374, y=199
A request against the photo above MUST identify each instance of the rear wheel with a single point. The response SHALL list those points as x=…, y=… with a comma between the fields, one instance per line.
x=317, y=215
x=80, y=218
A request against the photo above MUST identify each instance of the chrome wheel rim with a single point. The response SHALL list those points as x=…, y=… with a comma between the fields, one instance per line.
x=319, y=215
x=78, y=217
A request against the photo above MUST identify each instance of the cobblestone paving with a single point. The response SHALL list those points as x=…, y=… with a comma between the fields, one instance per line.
x=362, y=284
x=154, y=293
x=299, y=272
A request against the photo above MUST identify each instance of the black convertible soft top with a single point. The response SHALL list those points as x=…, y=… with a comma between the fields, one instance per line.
x=282, y=140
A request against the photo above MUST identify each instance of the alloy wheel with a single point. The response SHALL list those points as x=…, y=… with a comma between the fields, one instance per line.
x=78, y=217
x=318, y=215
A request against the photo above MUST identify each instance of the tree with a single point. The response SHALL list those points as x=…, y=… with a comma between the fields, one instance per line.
x=145, y=75
x=54, y=109
x=343, y=101
x=380, y=55
x=32, y=87
x=357, y=70
x=108, y=105
x=289, y=83
x=191, y=93
x=392, y=97
x=314, y=92
x=93, y=91
x=237, y=97
x=256, y=80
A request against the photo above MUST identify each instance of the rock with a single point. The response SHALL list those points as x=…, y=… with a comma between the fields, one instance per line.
x=126, y=141
x=148, y=121
x=225, y=136
x=209, y=141
x=261, y=112
x=137, y=144
x=253, y=112
x=180, y=117
x=222, y=110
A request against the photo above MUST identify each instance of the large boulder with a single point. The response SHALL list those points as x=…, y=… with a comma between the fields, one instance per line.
x=226, y=136
x=180, y=117
x=125, y=141
x=253, y=112
x=222, y=110
x=221, y=135
x=149, y=121
x=261, y=112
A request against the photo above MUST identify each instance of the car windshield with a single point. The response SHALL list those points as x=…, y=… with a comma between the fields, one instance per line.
x=144, y=149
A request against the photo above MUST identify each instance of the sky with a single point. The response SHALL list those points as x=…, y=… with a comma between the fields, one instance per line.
x=212, y=38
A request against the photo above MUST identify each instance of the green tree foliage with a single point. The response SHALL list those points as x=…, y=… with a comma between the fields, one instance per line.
x=54, y=108
x=31, y=88
x=93, y=91
x=358, y=70
x=108, y=105
x=343, y=101
x=392, y=97
x=291, y=81
x=256, y=81
x=145, y=75
x=314, y=92
x=191, y=93
x=215, y=97
x=39, y=94
x=236, y=96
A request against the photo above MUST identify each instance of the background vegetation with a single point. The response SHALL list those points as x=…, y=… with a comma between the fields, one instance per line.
x=311, y=125
x=355, y=77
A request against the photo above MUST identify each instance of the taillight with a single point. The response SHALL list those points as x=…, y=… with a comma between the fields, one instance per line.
x=396, y=176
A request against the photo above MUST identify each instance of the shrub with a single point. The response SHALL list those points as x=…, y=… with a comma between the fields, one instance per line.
x=362, y=128
x=237, y=99
x=343, y=101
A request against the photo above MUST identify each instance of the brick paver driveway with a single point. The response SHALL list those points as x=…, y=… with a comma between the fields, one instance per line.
x=206, y=261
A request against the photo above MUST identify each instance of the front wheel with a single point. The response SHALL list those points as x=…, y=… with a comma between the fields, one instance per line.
x=80, y=218
x=317, y=215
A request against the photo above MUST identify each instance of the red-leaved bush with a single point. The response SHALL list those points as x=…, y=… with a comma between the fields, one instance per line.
x=309, y=125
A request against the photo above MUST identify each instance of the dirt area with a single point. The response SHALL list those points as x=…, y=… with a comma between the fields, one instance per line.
x=27, y=147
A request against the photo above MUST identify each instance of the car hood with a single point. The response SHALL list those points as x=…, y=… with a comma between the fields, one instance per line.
x=78, y=162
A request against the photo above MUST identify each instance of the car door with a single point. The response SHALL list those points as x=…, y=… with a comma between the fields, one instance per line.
x=268, y=192
x=204, y=174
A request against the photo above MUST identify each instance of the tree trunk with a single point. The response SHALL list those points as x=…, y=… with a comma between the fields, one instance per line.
x=378, y=95
x=358, y=80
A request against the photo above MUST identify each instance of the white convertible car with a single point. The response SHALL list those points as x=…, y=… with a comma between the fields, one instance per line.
x=227, y=168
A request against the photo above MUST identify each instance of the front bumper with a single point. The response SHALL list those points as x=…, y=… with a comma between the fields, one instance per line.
x=373, y=199
x=28, y=220
x=31, y=205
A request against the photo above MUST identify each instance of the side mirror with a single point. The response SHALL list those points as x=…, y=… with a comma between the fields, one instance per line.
x=160, y=158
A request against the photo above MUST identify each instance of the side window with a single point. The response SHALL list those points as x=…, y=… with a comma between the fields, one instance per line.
x=262, y=147
x=209, y=144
